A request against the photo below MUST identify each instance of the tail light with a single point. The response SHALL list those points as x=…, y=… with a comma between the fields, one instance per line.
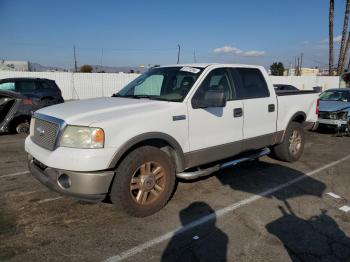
x=318, y=107
x=28, y=101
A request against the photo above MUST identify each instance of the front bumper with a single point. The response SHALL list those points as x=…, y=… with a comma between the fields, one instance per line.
x=91, y=186
x=332, y=122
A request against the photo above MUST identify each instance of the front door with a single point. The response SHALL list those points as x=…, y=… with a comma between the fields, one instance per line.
x=215, y=132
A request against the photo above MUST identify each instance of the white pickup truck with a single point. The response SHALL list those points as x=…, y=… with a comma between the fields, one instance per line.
x=181, y=121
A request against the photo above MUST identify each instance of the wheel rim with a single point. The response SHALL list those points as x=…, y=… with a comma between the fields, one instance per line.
x=147, y=183
x=295, y=142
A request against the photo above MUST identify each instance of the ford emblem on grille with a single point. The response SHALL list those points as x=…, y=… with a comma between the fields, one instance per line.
x=40, y=130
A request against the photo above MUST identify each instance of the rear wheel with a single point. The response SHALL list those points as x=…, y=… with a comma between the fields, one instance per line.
x=292, y=147
x=144, y=182
x=22, y=128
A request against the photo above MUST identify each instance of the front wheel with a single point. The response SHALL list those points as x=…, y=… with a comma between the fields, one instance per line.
x=144, y=182
x=292, y=147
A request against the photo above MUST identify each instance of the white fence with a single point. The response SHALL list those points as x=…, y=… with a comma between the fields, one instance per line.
x=89, y=85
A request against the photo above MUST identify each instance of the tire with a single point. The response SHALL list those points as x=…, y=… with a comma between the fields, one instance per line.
x=286, y=151
x=22, y=128
x=144, y=182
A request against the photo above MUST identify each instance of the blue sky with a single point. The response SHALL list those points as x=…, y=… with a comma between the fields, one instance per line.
x=147, y=32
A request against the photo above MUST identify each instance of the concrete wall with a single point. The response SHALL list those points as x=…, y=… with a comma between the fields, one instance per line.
x=89, y=85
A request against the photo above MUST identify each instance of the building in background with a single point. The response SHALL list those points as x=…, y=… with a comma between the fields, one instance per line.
x=9, y=65
x=305, y=71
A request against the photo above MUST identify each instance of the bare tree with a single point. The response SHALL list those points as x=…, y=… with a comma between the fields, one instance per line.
x=331, y=35
x=341, y=60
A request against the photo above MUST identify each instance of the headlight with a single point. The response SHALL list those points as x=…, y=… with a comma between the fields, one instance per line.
x=82, y=137
x=31, y=128
x=333, y=116
x=343, y=115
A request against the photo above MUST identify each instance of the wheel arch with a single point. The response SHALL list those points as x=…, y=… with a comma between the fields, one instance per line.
x=299, y=117
x=163, y=141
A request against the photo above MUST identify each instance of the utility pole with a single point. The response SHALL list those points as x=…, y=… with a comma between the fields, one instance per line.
x=75, y=60
x=178, y=53
x=194, y=56
x=301, y=62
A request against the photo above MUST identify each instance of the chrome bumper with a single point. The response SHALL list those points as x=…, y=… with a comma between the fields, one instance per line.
x=333, y=122
x=91, y=186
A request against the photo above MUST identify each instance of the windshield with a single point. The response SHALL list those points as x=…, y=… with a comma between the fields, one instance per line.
x=165, y=83
x=336, y=95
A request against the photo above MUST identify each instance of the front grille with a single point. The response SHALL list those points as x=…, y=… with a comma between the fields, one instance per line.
x=45, y=133
x=324, y=115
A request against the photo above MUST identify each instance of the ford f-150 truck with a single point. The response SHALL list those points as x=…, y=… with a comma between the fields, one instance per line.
x=181, y=121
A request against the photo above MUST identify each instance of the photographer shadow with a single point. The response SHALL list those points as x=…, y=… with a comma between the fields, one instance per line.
x=199, y=239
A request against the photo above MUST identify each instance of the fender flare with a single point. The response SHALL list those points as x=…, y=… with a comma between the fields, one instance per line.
x=149, y=136
x=297, y=114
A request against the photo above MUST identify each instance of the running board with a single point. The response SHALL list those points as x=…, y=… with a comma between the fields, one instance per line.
x=205, y=172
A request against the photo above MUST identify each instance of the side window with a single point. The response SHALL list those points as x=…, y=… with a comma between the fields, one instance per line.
x=218, y=79
x=45, y=85
x=152, y=86
x=8, y=86
x=251, y=83
x=26, y=86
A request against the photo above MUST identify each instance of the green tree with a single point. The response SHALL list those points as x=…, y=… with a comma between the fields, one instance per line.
x=85, y=69
x=277, y=69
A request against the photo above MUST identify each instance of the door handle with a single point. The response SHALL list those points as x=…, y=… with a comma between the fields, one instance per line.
x=271, y=107
x=237, y=112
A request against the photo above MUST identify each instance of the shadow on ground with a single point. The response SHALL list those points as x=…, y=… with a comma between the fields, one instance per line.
x=316, y=239
x=202, y=242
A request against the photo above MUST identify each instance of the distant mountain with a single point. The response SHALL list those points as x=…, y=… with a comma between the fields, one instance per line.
x=36, y=67
x=116, y=69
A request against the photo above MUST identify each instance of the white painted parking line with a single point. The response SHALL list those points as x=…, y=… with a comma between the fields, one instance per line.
x=219, y=213
x=345, y=209
x=49, y=200
x=15, y=174
x=333, y=195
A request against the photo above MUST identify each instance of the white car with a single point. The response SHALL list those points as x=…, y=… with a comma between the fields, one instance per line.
x=180, y=121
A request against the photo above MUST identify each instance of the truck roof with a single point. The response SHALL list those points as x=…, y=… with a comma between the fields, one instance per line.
x=204, y=65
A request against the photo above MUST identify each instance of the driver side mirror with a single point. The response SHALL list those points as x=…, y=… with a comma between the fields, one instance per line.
x=211, y=98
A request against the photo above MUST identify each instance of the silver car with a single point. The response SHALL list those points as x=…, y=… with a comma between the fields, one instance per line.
x=334, y=108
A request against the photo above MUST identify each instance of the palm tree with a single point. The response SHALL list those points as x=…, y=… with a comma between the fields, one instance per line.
x=331, y=53
x=341, y=60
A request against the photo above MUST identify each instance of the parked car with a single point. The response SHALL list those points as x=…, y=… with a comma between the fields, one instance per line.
x=283, y=87
x=182, y=121
x=20, y=97
x=335, y=109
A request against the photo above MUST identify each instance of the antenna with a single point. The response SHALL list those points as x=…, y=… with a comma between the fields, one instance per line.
x=178, y=53
x=194, y=56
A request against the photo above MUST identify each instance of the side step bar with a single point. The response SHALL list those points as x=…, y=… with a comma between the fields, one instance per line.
x=205, y=172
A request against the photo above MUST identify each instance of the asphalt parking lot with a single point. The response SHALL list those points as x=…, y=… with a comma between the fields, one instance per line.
x=259, y=211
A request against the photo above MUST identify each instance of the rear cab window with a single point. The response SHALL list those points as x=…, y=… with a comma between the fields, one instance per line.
x=250, y=83
x=26, y=86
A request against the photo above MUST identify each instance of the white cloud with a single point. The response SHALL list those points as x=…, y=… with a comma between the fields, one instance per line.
x=254, y=53
x=336, y=39
x=228, y=49
x=237, y=51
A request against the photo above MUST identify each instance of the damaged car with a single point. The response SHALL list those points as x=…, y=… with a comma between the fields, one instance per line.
x=20, y=97
x=334, y=109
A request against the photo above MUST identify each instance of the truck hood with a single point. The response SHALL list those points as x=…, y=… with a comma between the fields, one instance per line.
x=332, y=106
x=86, y=112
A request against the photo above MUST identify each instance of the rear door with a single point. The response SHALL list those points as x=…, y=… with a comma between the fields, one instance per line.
x=259, y=107
x=215, y=132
